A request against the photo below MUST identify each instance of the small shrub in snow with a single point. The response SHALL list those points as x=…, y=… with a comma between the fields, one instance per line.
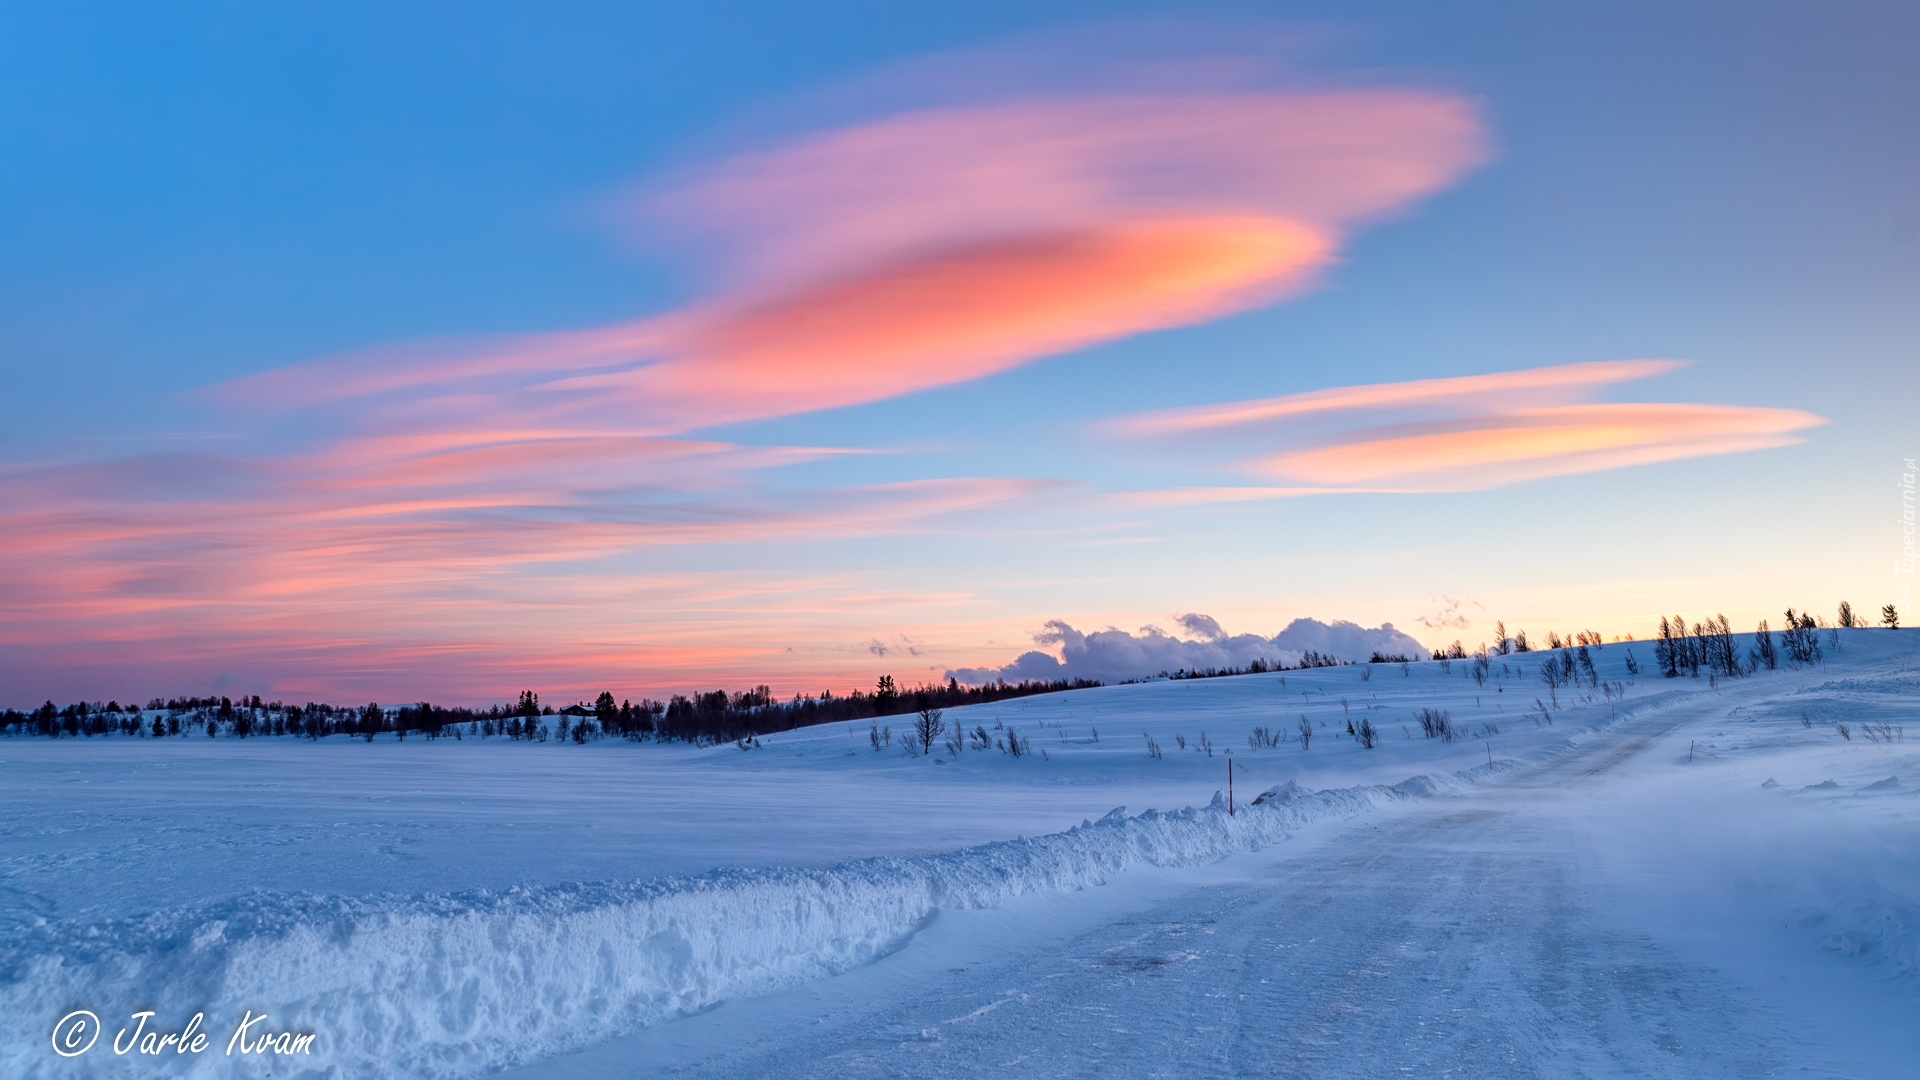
x=1880, y=731
x=1436, y=724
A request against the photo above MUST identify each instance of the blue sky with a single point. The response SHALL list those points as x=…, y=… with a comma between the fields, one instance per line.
x=208, y=192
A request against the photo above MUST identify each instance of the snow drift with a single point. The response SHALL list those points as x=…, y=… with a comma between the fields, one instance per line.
x=455, y=985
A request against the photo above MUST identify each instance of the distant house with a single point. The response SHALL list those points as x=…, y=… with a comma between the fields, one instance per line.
x=576, y=710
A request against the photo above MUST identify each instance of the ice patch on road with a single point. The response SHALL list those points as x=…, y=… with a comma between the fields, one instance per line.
x=456, y=985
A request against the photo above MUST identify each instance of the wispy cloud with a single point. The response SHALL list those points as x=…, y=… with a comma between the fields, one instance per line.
x=1530, y=444
x=303, y=585
x=1479, y=393
x=1450, y=616
x=1456, y=434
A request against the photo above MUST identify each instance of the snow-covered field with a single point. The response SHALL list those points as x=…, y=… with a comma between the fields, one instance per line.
x=1617, y=891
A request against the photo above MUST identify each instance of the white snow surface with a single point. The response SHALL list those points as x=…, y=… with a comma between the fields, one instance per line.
x=450, y=909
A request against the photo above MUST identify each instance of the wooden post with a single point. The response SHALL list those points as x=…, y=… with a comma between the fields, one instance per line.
x=1229, y=787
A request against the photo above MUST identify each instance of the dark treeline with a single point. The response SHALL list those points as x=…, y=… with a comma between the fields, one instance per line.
x=719, y=717
x=712, y=717
x=1258, y=666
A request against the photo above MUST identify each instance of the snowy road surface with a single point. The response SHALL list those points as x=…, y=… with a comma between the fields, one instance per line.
x=1457, y=937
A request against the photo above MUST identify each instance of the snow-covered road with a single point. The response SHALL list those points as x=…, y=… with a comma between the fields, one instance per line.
x=1461, y=936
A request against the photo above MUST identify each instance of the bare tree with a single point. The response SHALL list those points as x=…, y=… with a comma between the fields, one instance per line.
x=1764, y=654
x=927, y=726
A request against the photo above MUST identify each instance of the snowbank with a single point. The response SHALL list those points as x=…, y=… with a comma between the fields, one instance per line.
x=455, y=985
x=1882, y=928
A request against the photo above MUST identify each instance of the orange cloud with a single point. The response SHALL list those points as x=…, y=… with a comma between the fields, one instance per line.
x=1534, y=443
x=966, y=314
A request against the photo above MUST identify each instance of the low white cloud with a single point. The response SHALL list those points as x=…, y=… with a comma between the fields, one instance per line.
x=1113, y=655
x=1201, y=626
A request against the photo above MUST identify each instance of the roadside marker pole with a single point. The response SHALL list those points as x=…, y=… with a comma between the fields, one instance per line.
x=1229, y=787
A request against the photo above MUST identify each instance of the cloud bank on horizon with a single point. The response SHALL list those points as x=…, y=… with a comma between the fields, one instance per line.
x=1112, y=655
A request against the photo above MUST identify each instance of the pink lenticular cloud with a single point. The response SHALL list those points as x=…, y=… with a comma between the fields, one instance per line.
x=915, y=185
x=969, y=313
x=947, y=244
